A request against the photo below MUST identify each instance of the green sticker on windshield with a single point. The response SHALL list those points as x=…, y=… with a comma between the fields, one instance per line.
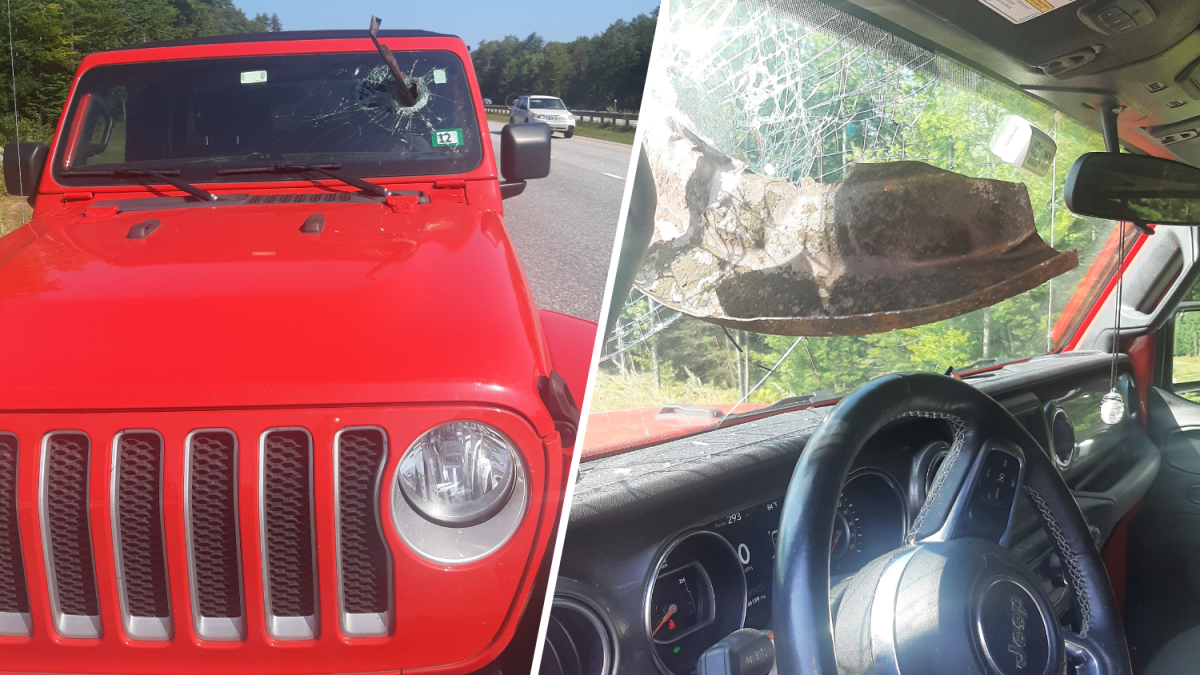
x=447, y=138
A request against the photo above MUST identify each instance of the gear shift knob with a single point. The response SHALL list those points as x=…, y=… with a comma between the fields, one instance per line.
x=742, y=652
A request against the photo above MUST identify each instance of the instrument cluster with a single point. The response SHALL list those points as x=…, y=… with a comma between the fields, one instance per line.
x=717, y=579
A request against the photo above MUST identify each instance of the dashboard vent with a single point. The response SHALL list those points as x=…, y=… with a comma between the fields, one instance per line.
x=1062, y=438
x=577, y=642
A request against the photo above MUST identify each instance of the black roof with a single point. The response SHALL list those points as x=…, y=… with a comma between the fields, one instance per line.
x=287, y=36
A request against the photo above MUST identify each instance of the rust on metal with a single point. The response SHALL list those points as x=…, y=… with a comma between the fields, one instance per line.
x=894, y=245
x=403, y=93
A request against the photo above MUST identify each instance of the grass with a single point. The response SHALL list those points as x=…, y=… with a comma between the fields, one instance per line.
x=10, y=211
x=1186, y=369
x=604, y=132
x=636, y=390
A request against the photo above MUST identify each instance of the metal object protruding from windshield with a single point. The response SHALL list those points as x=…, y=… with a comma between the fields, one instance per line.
x=402, y=91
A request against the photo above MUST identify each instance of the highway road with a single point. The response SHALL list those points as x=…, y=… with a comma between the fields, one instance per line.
x=563, y=226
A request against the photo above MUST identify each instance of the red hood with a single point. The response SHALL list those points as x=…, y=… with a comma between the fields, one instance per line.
x=233, y=306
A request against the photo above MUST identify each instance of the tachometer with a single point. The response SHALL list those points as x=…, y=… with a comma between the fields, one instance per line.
x=696, y=597
x=870, y=520
x=845, y=533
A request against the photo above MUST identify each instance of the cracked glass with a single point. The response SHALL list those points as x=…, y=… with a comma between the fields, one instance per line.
x=797, y=90
x=201, y=115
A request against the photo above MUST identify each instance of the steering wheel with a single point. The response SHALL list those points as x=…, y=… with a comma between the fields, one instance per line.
x=953, y=599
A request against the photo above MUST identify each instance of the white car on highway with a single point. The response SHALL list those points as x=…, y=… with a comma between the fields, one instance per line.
x=548, y=109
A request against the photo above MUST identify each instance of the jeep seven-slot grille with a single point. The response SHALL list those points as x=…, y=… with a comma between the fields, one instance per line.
x=212, y=504
x=137, y=481
x=65, y=513
x=138, y=512
x=363, y=555
x=287, y=515
x=14, y=598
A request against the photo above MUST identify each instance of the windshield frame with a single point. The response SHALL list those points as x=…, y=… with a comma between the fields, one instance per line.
x=484, y=169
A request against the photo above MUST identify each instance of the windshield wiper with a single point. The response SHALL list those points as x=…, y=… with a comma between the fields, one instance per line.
x=326, y=169
x=162, y=176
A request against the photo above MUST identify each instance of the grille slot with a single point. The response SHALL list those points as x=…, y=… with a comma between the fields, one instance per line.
x=364, y=565
x=289, y=554
x=138, y=535
x=14, y=595
x=213, y=543
x=66, y=534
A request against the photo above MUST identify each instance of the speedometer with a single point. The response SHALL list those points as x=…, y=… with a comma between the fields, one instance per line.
x=696, y=597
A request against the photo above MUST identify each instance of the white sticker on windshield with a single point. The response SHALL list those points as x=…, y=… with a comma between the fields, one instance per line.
x=439, y=76
x=254, y=76
x=1020, y=11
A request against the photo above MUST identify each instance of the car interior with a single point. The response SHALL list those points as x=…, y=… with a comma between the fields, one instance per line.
x=998, y=522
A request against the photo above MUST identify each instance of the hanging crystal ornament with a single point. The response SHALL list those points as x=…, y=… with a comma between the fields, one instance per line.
x=1112, y=404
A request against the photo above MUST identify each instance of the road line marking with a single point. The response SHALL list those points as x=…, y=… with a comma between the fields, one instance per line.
x=613, y=175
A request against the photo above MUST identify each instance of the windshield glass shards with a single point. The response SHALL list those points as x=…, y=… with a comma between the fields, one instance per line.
x=801, y=94
x=546, y=104
x=203, y=115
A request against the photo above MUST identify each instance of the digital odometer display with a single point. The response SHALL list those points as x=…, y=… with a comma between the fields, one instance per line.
x=754, y=533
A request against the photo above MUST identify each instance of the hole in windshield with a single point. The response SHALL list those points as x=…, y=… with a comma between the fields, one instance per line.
x=799, y=91
x=201, y=115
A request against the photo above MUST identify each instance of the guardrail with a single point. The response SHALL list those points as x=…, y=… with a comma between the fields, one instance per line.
x=595, y=116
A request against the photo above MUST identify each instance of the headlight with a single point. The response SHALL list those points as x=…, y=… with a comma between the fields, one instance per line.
x=540, y=117
x=459, y=473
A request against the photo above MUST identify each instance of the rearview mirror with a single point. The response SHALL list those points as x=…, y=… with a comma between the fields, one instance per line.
x=23, y=163
x=1134, y=188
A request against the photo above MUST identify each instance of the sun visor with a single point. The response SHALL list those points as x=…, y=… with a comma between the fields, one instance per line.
x=893, y=245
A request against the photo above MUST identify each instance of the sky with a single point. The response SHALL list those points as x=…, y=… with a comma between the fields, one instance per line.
x=472, y=20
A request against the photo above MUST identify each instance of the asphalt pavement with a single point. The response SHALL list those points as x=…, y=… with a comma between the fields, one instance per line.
x=563, y=226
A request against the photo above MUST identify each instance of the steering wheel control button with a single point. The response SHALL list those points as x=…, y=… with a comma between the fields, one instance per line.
x=1012, y=632
x=998, y=484
x=742, y=652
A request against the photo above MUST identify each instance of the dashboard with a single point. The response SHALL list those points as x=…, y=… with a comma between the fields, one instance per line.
x=671, y=548
x=717, y=579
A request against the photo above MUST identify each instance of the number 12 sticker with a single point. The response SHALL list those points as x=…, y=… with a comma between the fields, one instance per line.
x=447, y=138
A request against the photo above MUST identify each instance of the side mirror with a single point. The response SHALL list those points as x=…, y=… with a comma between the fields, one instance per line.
x=524, y=155
x=1134, y=188
x=23, y=164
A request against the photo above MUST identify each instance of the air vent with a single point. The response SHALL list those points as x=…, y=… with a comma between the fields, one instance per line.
x=289, y=548
x=1062, y=438
x=14, y=594
x=138, y=536
x=363, y=564
x=577, y=642
x=213, y=544
x=66, y=534
x=301, y=198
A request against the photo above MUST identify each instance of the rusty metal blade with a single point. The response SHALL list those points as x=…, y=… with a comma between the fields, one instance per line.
x=894, y=245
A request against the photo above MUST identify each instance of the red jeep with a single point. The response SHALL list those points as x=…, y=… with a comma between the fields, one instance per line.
x=276, y=397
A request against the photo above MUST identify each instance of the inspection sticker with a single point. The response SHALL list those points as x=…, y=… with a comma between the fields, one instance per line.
x=447, y=138
x=439, y=76
x=254, y=76
x=1020, y=11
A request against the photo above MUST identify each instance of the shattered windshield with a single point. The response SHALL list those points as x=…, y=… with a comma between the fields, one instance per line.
x=201, y=115
x=546, y=104
x=798, y=90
